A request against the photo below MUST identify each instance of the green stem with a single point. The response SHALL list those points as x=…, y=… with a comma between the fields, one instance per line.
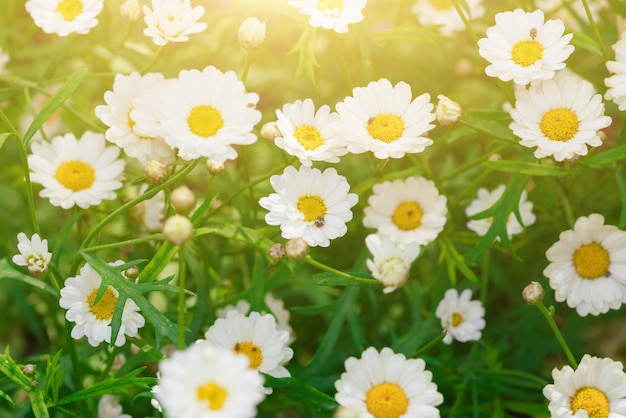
x=557, y=334
x=246, y=67
x=461, y=13
x=430, y=344
x=154, y=60
x=127, y=243
x=596, y=32
x=181, y=298
x=78, y=380
x=329, y=269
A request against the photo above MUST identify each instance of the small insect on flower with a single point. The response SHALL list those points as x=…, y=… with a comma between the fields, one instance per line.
x=319, y=221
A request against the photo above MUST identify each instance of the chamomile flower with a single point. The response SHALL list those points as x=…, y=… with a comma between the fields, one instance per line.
x=385, y=120
x=561, y=117
x=309, y=135
x=617, y=82
x=206, y=381
x=93, y=320
x=461, y=317
x=597, y=388
x=172, y=21
x=33, y=254
x=65, y=16
x=390, y=264
x=443, y=12
x=310, y=204
x=522, y=47
x=587, y=266
x=386, y=384
x=407, y=210
x=331, y=14
x=108, y=407
x=81, y=172
x=255, y=336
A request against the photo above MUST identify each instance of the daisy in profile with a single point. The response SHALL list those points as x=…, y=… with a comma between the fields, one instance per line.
x=331, y=14
x=616, y=83
x=461, y=317
x=407, y=211
x=310, y=204
x=487, y=199
x=385, y=384
x=390, y=264
x=205, y=381
x=309, y=135
x=385, y=120
x=65, y=16
x=33, y=254
x=255, y=336
x=443, y=12
x=596, y=389
x=522, y=47
x=172, y=21
x=108, y=407
x=561, y=117
x=81, y=172
x=93, y=320
x=586, y=266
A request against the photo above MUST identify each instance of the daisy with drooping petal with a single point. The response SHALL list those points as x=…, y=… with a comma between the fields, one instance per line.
x=390, y=264
x=309, y=135
x=596, y=389
x=310, y=204
x=65, y=16
x=93, y=320
x=522, y=48
x=407, y=211
x=331, y=14
x=461, y=317
x=172, y=21
x=81, y=172
x=385, y=384
x=561, y=117
x=443, y=12
x=108, y=407
x=33, y=254
x=587, y=266
x=617, y=82
x=385, y=120
x=207, y=381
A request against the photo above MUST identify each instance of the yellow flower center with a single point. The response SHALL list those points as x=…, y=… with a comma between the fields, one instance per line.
x=559, y=124
x=441, y=4
x=591, y=400
x=386, y=400
x=103, y=310
x=69, y=9
x=308, y=136
x=205, y=121
x=457, y=319
x=213, y=394
x=75, y=175
x=591, y=261
x=526, y=53
x=330, y=5
x=385, y=127
x=408, y=216
x=312, y=207
x=253, y=351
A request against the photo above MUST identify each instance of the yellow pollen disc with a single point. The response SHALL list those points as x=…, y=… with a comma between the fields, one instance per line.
x=312, y=207
x=526, y=53
x=131, y=121
x=308, y=136
x=559, y=124
x=213, y=394
x=205, y=121
x=441, y=4
x=330, y=4
x=591, y=261
x=591, y=400
x=385, y=127
x=408, y=216
x=457, y=319
x=253, y=351
x=75, y=175
x=103, y=310
x=386, y=400
x=69, y=9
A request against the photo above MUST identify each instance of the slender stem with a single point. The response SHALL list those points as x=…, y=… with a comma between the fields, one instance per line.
x=596, y=32
x=461, y=13
x=329, y=269
x=246, y=67
x=430, y=344
x=69, y=344
x=557, y=334
x=154, y=60
x=119, y=244
x=181, y=298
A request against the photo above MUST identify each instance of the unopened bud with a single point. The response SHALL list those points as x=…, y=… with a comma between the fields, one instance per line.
x=533, y=293
x=214, y=168
x=463, y=67
x=183, y=199
x=251, y=33
x=270, y=131
x=277, y=252
x=296, y=248
x=448, y=111
x=156, y=172
x=177, y=229
x=132, y=273
x=29, y=370
x=130, y=10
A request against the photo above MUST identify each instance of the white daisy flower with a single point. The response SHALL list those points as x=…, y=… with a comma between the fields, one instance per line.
x=561, y=117
x=487, y=199
x=587, y=266
x=522, y=48
x=33, y=254
x=331, y=14
x=407, y=210
x=204, y=113
x=172, y=21
x=117, y=114
x=617, y=82
x=461, y=317
x=309, y=135
x=150, y=213
x=65, y=16
x=108, y=407
x=205, y=381
x=310, y=204
x=390, y=264
x=443, y=12
x=93, y=320
x=596, y=389
x=79, y=172
x=384, y=119
x=386, y=384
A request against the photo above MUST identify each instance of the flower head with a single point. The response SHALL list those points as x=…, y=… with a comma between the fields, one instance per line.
x=443, y=12
x=448, y=111
x=33, y=254
x=617, y=82
x=172, y=21
x=251, y=33
x=331, y=14
x=461, y=317
x=65, y=16
x=390, y=264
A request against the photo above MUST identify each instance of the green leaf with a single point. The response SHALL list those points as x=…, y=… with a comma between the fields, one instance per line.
x=54, y=376
x=355, y=279
x=454, y=259
x=3, y=138
x=237, y=233
x=112, y=385
x=607, y=157
x=305, y=47
x=493, y=128
x=38, y=403
x=299, y=391
x=583, y=41
x=621, y=186
x=7, y=398
x=13, y=371
x=522, y=167
x=8, y=272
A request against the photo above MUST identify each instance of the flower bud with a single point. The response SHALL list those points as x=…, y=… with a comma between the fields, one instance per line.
x=131, y=273
x=251, y=33
x=130, y=10
x=214, y=168
x=533, y=293
x=177, y=229
x=29, y=369
x=448, y=111
x=270, y=131
x=277, y=252
x=296, y=248
x=183, y=199
x=156, y=172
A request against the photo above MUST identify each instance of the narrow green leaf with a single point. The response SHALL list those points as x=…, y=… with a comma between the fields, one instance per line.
x=237, y=233
x=8, y=272
x=299, y=391
x=489, y=114
x=356, y=279
x=161, y=259
x=583, y=41
x=112, y=385
x=621, y=186
x=3, y=138
x=490, y=127
x=7, y=398
x=607, y=157
x=13, y=371
x=457, y=261
x=38, y=403
x=54, y=376
x=522, y=167
x=305, y=47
